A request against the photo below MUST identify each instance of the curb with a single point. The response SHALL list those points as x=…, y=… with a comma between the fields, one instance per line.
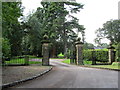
x=102, y=68
x=24, y=80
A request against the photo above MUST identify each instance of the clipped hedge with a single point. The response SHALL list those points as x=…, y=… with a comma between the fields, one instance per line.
x=98, y=55
x=87, y=55
x=101, y=56
x=118, y=53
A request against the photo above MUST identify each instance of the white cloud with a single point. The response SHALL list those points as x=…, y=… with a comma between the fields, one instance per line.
x=30, y=5
x=95, y=13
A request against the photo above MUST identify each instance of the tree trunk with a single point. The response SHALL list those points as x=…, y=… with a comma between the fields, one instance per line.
x=65, y=44
x=54, y=52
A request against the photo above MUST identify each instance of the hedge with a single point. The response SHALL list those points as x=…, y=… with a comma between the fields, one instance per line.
x=98, y=55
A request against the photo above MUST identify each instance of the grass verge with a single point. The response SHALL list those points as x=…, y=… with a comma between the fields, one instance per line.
x=115, y=65
x=85, y=62
x=105, y=66
x=66, y=61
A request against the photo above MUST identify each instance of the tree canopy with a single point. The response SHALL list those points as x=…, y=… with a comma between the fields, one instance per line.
x=110, y=30
x=11, y=27
x=55, y=19
x=52, y=18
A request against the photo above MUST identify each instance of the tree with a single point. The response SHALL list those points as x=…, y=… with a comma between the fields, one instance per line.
x=6, y=48
x=110, y=30
x=54, y=15
x=88, y=45
x=11, y=27
x=52, y=19
x=34, y=34
x=118, y=53
x=104, y=45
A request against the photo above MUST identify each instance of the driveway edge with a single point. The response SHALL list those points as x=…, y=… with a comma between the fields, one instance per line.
x=102, y=68
x=27, y=79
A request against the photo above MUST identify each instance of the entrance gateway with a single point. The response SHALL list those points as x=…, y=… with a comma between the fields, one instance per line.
x=45, y=51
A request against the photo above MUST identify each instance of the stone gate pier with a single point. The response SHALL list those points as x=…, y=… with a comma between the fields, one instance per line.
x=79, y=52
x=45, y=51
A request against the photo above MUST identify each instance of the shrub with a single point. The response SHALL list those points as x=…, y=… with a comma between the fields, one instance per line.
x=68, y=54
x=87, y=55
x=60, y=55
x=118, y=53
x=116, y=63
x=6, y=49
x=99, y=55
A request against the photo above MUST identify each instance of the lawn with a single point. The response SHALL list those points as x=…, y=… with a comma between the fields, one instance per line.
x=66, y=61
x=106, y=66
x=115, y=65
x=85, y=62
x=88, y=63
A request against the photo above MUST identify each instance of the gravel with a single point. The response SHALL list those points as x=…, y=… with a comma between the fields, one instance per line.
x=15, y=73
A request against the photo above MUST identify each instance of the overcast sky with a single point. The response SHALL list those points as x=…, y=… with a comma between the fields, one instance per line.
x=94, y=14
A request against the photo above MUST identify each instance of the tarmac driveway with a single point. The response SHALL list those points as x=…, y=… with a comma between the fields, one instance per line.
x=71, y=76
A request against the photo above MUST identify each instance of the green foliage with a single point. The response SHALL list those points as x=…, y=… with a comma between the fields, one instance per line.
x=11, y=27
x=105, y=66
x=11, y=11
x=33, y=36
x=21, y=61
x=66, y=61
x=25, y=37
x=110, y=30
x=60, y=55
x=85, y=62
x=116, y=63
x=53, y=20
x=6, y=48
x=103, y=45
x=60, y=48
x=87, y=55
x=99, y=55
x=105, y=49
x=118, y=52
x=88, y=46
x=68, y=54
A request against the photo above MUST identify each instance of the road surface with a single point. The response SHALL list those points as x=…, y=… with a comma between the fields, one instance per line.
x=71, y=76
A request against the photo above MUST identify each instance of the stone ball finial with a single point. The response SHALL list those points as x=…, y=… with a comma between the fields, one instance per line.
x=78, y=39
x=45, y=37
x=110, y=46
x=110, y=43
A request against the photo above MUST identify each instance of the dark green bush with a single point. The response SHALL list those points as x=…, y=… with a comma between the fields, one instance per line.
x=118, y=52
x=6, y=49
x=68, y=54
x=116, y=63
x=98, y=55
x=87, y=55
x=60, y=55
x=101, y=56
